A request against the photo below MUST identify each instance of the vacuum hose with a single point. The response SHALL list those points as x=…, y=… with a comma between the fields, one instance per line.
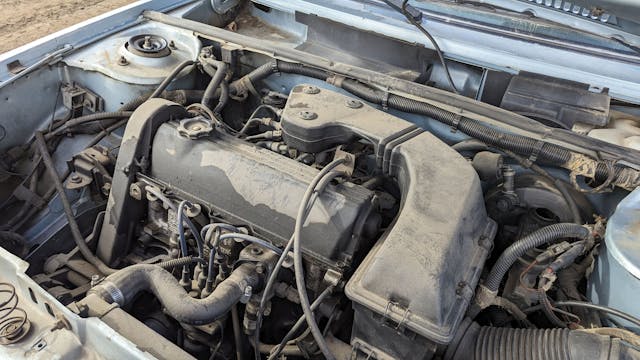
x=123, y=286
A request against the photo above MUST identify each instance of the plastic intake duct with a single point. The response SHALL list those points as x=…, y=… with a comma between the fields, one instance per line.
x=494, y=343
x=441, y=236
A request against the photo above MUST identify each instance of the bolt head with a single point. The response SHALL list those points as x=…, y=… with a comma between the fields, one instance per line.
x=307, y=115
x=354, y=104
x=76, y=179
x=310, y=89
x=122, y=61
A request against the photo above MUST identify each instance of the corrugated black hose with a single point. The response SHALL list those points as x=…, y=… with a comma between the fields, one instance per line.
x=475, y=342
x=535, y=239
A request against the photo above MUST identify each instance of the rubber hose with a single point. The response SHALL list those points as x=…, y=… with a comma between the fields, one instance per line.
x=223, y=98
x=216, y=79
x=179, y=262
x=498, y=343
x=535, y=239
x=123, y=286
x=182, y=97
x=295, y=68
x=262, y=72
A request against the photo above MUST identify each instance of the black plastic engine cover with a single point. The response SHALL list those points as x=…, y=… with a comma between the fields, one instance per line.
x=250, y=185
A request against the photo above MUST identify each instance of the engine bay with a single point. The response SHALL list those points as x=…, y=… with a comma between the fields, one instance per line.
x=204, y=191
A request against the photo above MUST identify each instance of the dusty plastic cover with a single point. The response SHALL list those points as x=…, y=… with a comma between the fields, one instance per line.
x=422, y=272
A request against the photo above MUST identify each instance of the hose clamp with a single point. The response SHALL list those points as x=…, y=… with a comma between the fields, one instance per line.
x=113, y=292
x=456, y=123
x=385, y=100
x=535, y=153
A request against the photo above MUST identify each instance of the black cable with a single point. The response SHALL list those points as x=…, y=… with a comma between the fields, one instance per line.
x=584, y=304
x=276, y=351
x=87, y=119
x=237, y=332
x=303, y=210
x=73, y=225
x=165, y=83
x=548, y=309
x=415, y=23
x=302, y=287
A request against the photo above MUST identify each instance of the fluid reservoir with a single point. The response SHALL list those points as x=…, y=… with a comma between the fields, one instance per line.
x=615, y=281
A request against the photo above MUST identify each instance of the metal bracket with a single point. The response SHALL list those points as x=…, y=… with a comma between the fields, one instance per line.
x=76, y=98
x=89, y=167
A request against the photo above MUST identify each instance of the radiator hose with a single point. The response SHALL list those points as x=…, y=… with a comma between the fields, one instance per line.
x=475, y=342
x=123, y=286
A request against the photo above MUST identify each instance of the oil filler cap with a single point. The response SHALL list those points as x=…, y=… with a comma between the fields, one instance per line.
x=195, y=128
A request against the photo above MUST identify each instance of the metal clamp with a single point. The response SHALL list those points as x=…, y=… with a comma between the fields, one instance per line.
x=456, y=123
x=536, y=152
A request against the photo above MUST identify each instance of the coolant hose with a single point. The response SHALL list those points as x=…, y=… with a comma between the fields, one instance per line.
x=475, y=342
x=535, y=239
x=174, y=74
x=182, y=97
x=123, y=286
x=217, y=77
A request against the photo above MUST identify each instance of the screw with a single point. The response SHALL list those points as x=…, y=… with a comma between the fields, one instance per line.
x=310, y=90
x=307, y=115
x=76, y=179
x=122, y=61
x=172, y=44
x=256, y=251
x=354, y=104
x=95, y=279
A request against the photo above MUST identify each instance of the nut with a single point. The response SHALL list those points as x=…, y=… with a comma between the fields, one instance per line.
x=135, y=191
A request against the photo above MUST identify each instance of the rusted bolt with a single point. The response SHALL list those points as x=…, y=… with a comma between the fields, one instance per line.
x=307, y=115
x=354, y=104
x=310, y=89
x=122, y=61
